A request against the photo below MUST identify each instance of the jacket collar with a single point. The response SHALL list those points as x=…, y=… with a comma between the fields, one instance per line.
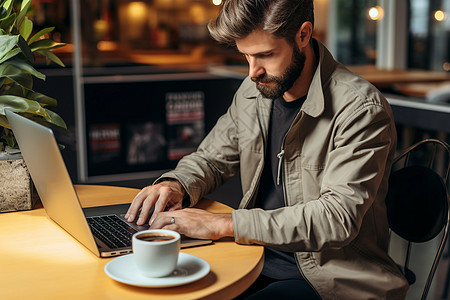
x=315, y=102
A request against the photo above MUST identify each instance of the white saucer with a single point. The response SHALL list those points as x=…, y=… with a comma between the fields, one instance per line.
x=189, y=269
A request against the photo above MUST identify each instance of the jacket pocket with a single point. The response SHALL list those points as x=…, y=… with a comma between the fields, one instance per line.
x=311, y=181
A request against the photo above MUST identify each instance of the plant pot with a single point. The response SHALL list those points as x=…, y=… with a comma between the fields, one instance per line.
x=17, y=191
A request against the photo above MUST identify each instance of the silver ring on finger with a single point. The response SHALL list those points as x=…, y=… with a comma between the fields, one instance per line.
x=172, y=220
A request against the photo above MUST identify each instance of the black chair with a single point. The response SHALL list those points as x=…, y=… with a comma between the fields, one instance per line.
x=417, y=201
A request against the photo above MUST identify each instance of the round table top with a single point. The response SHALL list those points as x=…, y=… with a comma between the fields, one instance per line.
x=41, y=261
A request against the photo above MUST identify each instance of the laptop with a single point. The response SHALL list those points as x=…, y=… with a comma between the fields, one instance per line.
x=93, y=227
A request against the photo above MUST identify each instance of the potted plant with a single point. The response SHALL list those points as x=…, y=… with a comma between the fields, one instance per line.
x=18, y=46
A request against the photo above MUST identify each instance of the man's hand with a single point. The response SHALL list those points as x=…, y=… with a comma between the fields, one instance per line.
x=196, y=223
x=164, y=195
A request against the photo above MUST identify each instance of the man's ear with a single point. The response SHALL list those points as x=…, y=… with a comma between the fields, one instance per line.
x=304, y=34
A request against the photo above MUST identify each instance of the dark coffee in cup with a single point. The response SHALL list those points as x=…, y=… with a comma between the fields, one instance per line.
x=155, y=237
x=156, y=251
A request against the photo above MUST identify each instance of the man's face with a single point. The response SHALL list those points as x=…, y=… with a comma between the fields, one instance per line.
x=274, y=65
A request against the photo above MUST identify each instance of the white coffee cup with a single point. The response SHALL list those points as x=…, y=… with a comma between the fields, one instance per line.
x=156, y=251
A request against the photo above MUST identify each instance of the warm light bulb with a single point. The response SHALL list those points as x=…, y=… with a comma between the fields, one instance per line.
x=137, y=11
x=446, y=66
x=439, y=15
x=375, y=13
x=217, y=2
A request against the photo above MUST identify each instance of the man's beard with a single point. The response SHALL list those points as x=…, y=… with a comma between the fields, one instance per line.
x=285, y=81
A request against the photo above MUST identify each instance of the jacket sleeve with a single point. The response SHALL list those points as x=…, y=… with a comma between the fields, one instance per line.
x=215, y=161
x=353, y=172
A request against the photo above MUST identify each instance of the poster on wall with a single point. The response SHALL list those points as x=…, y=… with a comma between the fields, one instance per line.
x=104, y=142
x=185, y=122
x=145, y=143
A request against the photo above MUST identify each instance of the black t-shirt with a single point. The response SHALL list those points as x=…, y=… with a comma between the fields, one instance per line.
x=277, y=264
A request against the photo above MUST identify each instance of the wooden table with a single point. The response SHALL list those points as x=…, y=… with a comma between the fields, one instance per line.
x=378, y=77
x=389, y=78
x=39, y=260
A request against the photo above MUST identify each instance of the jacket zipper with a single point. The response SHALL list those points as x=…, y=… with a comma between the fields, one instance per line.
x=280, y=159
x=281, y=154
x=279, y=173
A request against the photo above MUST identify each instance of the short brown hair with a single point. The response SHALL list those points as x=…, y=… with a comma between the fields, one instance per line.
x=282, y=18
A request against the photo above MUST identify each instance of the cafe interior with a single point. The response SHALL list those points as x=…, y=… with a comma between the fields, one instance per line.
x=147, y=71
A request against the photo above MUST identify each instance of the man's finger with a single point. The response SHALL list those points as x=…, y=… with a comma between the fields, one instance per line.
x=146, y=207
x=134, y=207
x=159, y=220
x=159, y=207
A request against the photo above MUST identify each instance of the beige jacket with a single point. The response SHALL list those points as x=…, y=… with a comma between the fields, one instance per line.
x=335, y=168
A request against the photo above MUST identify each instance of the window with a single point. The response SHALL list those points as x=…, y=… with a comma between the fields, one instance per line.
x=354, y=32
x=412, y=34
x=429, y=35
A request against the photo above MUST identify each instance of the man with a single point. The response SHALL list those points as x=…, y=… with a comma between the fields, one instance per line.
x=313, y=143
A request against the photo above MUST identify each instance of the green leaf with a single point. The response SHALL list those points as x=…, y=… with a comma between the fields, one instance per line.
x=10, y=54
x=15, y=74
x=23, y=11
x=26, y=51
x=26, y=28
x=42, y=99
x=40, y=33
x=3, y=13
x=50, y=55
x=7, y=43
x=24, y=66
x=55, y=119
x=8, y=81
x=41, y=44
x=16, y=90
x=30, y=109
x=5, y=9
x=7, y=23
x=4, y=122
x=25, y=5
x=47, y=44
x=21, y=105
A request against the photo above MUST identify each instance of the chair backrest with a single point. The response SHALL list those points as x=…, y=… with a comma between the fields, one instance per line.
x=417, y=201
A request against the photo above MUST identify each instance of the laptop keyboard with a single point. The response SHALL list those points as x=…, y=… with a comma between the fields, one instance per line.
x=111, y=230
